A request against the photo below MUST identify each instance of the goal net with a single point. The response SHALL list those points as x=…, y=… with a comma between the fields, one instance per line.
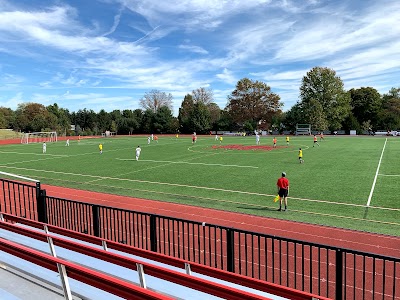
x=39, y=137
x=303, y=129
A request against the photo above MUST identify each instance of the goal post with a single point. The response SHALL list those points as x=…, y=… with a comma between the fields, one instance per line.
x=304, y=129
x=39, y=137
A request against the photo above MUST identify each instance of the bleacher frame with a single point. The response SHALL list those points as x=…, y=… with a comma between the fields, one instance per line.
x=303, y=129
x=120, y=287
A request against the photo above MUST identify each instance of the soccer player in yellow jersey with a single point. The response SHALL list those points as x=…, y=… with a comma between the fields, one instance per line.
x=287, y=141
x=301, y=156
x=221, y=139
x=101, y=148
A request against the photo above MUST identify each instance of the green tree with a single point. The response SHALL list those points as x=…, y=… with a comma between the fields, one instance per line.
x=138, y=115
x=128, y=122
x=295, y=115
x=147, y=121
x=7, y=118
x=366, y=104
x=63, y=119
x=103, y=121
x=185, y=112
x=322, y=85
x=31, y=117
x=253, y=101
x=215, y=115
x=314, y=115
x=163, y=120
x=225, y=122
x=351, y=123
x=156, y=99
x=200, y=118
x=389, y=117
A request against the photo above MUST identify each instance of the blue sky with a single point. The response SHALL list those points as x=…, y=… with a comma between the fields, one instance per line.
x=107, y=54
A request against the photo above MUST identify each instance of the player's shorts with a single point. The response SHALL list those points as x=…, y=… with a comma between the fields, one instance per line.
x=283, y=192
x=315, y=142
x=300, y=157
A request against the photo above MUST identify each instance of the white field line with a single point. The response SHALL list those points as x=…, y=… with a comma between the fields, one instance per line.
x=167, y=163
x=55, y=156
x=41, y=154
x=197, y=187
x=390, y=175
x=189, y=163
x=376, y=174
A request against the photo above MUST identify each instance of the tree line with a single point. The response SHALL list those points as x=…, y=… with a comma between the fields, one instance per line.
x=323, y=103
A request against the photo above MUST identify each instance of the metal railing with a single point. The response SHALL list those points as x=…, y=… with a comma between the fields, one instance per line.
x=319, y=269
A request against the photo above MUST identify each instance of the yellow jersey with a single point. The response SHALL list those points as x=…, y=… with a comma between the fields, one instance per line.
x=287, y=139
x=300, y=153
x=100, y=147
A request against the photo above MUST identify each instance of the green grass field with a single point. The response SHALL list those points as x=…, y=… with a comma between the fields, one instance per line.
x=332, y=187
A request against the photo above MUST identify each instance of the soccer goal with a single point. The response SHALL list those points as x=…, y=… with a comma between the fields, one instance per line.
x=108, y=134
x=304, y=129
x=39, y=137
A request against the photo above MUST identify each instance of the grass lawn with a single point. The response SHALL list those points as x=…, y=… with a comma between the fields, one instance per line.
x=338, y=185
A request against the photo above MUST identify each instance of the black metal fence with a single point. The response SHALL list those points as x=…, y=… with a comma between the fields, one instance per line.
x=19, y=199
x=327, y=271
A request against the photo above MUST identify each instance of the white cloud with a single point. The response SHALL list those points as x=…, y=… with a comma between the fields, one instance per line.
x=178, y=46
x=12, y=102
x=326, y=35
x=195, y=49
x=95, y=101
x=227, y=76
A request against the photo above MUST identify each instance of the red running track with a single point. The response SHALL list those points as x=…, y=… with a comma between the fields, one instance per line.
x=337, y=237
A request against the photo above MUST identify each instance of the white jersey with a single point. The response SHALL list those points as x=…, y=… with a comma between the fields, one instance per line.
x=257, y=139
x=44, y=147
x=67, y=143
x=148, y=140
x=138, y=150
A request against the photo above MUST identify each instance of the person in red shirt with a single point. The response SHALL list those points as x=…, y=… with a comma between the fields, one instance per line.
x=283, y=190
x=315, y=140
x=274, y=141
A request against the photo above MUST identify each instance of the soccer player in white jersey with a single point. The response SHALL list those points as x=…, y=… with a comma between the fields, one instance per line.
x=67, y=143
x=44, y=147
x=138, y=150
x=257, y=139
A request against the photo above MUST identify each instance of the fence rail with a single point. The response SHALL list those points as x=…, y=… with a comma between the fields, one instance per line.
x=319, y=269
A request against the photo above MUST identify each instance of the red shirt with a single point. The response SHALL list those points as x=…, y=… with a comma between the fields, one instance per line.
x=283, y=183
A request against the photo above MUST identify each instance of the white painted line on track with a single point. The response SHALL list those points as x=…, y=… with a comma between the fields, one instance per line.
x=189, y=163
x=376, y=174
